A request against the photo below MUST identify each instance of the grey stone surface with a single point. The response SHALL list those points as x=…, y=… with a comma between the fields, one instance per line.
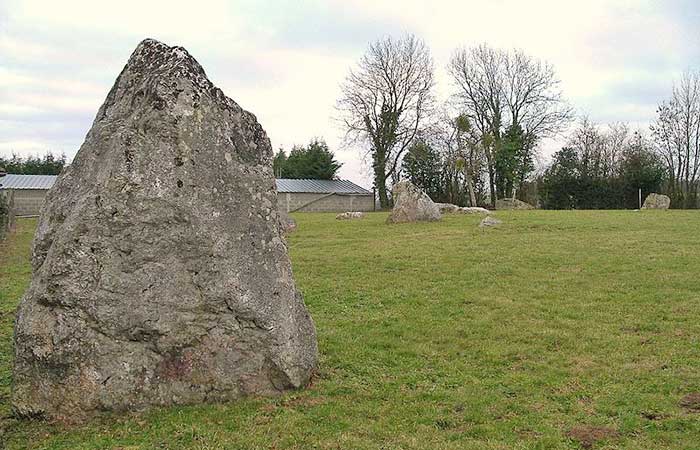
x=489, y=221
x=447, y=208
x=159, y=273
x=350, y=215
x=473, y=210
x=656, y=201
x=509, y=203
x=412, y=205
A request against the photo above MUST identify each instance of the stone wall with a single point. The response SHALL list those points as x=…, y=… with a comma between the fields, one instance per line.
x=310, y=202
x=28, y=202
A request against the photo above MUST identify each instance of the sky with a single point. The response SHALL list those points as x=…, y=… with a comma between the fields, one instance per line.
x=285, y=60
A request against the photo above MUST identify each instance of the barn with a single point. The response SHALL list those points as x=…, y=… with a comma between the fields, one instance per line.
x=322, y=196
x=292, y=195
x=28, y=192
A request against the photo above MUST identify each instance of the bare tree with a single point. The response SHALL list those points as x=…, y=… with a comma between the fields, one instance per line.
x=385, y=102
x=599, y=149
x=676, y=133
x=478, y=75
x=497, y=89
x=463, y=154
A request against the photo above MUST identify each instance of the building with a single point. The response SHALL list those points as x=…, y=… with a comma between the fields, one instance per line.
x=322, y=196
x=28, y=192
x=292, y=195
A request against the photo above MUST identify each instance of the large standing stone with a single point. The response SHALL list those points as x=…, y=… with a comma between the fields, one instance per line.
x=657, y=201
x=412, y=205
x=159, y=273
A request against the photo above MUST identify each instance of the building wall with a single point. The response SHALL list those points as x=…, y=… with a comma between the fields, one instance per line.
x=309, y=202
x=28, y=202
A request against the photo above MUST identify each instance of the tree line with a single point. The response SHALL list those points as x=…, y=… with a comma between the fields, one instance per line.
x=482, y=144
x=34, y=165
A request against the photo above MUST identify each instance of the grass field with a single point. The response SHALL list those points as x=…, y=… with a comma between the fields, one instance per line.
x=446, y=336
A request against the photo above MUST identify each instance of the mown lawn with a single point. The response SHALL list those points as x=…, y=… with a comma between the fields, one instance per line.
x=443, y=335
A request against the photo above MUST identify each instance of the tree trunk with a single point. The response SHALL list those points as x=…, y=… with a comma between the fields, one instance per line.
x=492, y=184
x=379, y=168
x=470, y=188
x=383, y=196
x=492, y=177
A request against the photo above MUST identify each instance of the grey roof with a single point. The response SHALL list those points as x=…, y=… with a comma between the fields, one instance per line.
x=320, y=186
x=11, y=181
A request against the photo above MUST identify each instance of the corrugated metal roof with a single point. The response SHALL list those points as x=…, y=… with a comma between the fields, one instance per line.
x=320, y=186
x=12, y=181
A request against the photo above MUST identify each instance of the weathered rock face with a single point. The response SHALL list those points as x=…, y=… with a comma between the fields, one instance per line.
x=447, y=208
x=489, y=221
x=473, y=210
x=657, y=201
x=159, y=273
x=412, y=205
x=350, y=215
x=509, y=203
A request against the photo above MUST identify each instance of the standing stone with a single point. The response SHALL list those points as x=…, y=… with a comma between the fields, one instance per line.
x=159, y=273
x=447, y=208
x=657, y=201
x=412, y=205
x=473, y=210
x=350, y=215
x=510, y=203
x=489, y=221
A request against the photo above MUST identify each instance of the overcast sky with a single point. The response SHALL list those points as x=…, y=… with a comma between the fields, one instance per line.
x=284, y=60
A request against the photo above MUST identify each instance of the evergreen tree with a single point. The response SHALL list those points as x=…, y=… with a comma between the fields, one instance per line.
x=422, y=167
x=511, y=161
x=315, y=161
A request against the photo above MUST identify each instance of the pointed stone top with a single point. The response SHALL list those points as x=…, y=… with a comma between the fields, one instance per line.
x=154, y=56
x=161, y=73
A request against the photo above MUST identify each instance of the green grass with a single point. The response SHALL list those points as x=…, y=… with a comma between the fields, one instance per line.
x=443, y=335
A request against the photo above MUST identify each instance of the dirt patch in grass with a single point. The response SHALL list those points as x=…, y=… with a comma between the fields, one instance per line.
x=653, y=415
x=691, y=402
x=587, y=435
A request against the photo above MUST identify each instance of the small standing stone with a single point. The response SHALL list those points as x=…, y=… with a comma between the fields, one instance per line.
x=489, y=222
x=447, y=208
x=510, y=203
x=473, y=210
x=350, y=215
x=657, y=201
